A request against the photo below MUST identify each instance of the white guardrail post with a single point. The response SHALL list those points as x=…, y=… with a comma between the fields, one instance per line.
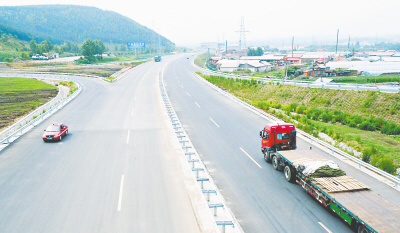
x=209, y=190
x=38, y=115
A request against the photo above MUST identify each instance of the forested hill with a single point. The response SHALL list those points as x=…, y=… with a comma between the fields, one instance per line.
x=61, y=23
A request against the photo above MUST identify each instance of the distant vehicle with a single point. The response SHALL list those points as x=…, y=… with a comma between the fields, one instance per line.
x=157, y=58
x=187, y=58
x=55, y=132
x=39, y=57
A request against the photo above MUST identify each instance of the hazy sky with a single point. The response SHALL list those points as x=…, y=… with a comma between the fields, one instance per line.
x=187, y=22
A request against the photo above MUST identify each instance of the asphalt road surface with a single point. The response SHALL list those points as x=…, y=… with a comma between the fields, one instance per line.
x=226, y=135
x=114, y=172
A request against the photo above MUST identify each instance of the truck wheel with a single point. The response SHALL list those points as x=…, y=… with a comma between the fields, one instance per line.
x=267, y=157
x=362, y=229
x=289, y=176
x=275, y=163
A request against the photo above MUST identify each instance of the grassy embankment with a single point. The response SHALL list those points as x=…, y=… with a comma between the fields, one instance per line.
x=367, y=121
x=19, y=96
x=201, y=60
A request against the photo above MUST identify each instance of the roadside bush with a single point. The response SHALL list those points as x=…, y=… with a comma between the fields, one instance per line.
x=352, y=124
x=375, y=160
x=387, y=165
x=367, y=154
x=367, y=126
x=390, y=129
x=301, y=109
x=326, y=117
x=293, y=107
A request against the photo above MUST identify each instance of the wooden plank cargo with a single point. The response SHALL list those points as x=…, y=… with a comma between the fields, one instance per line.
x=359, y=206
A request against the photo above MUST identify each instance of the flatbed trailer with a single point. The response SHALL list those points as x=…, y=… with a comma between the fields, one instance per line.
x=364, y=210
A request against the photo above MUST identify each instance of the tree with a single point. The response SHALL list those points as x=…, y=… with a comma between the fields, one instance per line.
x=33, y=46
x=92, y=48
x=255, y=52
x=259, y=51
x=47, y=46
x=89, y=50
x=122, y=47
x=100, y=48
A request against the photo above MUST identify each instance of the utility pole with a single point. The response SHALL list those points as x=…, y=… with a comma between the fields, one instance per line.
x=292, y=45
x=348, y=44
x=242, y=40
x=337, y=39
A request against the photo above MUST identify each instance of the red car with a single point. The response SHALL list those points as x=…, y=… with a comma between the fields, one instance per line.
x=55, y=132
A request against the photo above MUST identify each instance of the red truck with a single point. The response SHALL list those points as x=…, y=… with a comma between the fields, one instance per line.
x=363, y=209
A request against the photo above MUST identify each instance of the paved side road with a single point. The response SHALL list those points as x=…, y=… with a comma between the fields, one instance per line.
x=115, y=172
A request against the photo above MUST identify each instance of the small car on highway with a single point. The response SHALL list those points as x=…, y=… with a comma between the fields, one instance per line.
x=55, y=132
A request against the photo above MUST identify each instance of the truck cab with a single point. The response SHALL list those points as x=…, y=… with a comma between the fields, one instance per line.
x=277, y=136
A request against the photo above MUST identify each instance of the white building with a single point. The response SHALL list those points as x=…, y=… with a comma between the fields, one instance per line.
x=252, y=65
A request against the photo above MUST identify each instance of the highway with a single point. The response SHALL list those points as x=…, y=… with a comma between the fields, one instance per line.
x=226, y=135
x=116, y=171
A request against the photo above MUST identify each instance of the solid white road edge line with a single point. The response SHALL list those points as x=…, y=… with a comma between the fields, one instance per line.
x=198, y=104
x=250, y=157
x=127, y=138
x=121, y=188
x=320, y=223
x=135, y=98
x=214, y=122
x=187, y=94
x=181, y=86
x=132, y=112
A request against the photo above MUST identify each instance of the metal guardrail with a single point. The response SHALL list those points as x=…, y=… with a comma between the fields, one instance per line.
x=14, y=127
x=360, y=163
x=312, y=84
x=199, y=170
x=61, y=66
x=24, y=123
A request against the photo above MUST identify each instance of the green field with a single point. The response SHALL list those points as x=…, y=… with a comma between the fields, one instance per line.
x=19, y=96
x=361, y=119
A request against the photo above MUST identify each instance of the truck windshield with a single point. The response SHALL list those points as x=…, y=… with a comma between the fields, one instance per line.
x=282, y=136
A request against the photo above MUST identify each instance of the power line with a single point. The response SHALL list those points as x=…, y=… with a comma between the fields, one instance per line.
x=242, y=39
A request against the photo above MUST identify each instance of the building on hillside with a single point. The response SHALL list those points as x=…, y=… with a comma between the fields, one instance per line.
x=367, y=67
x=270, y=58
x=255, y=66
x=326, y=71
x=225, y=65
x=312, y=56
x=361, y=54
x=293, y=60
x=316, y=71
x=382, y=54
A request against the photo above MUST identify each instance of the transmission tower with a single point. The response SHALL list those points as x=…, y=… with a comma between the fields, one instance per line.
x=242, y=39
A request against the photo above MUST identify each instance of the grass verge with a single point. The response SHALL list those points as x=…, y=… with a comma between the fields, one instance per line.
x=19, y=96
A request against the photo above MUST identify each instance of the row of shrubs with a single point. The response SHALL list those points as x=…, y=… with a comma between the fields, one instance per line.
x=369, y=154
x=335, y=116
x=306, y=118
